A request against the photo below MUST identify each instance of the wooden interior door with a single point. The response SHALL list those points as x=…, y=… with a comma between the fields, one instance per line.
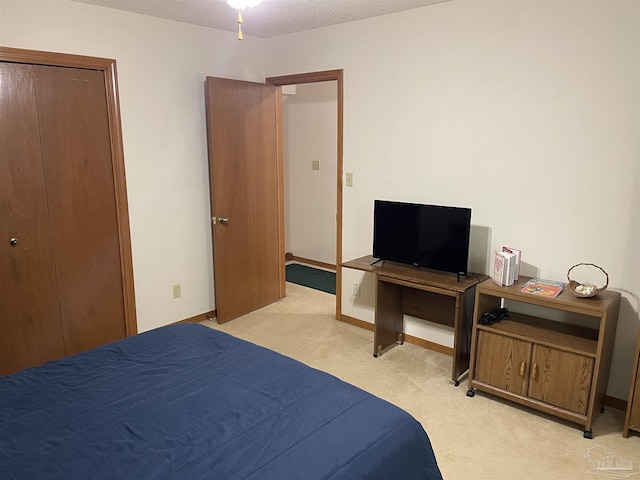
x=30, y=325
x=76, y=153
x=245, y=186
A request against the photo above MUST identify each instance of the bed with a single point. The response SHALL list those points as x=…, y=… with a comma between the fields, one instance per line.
x=189, y=402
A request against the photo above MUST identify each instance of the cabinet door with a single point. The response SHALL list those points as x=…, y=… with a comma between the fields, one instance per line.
x=561, y=378
x=502, y=362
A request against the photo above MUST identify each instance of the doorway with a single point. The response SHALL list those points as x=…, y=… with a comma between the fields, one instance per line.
x=336, y=77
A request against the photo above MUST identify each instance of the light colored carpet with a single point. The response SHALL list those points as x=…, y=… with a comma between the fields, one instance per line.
x=479, y=438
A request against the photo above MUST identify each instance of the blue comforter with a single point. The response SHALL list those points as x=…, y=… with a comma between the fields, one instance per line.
x=188, y=402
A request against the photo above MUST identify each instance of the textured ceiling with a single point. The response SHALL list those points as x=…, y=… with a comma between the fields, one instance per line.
x=270, y=18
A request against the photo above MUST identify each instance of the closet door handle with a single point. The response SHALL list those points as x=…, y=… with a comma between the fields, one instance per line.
x=13, y=242
x=223, y=220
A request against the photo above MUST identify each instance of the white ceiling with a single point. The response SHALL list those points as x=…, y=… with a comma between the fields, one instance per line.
x=270, y=18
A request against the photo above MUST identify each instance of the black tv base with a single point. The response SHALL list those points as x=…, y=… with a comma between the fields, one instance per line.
x=457, y=274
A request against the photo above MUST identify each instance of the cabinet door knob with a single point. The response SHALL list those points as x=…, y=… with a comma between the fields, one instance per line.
x=523, y=365
x=13, y=242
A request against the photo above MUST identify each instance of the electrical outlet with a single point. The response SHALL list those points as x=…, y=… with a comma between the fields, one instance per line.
x=177, y=291
x=315, y=165
x=356, y=289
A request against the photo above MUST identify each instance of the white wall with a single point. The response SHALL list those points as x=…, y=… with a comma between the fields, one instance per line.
x=440, y=104
x=309, y=127
x=161, y=70
x=528, y=112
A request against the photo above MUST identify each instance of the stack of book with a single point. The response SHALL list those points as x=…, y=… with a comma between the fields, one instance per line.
x=506, y=266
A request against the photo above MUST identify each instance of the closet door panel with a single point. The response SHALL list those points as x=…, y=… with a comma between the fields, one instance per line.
x=30, y=329
x=79, y=175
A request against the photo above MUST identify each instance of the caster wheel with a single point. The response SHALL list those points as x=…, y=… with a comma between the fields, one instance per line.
x=471, y=392
x=375, y=356
x=602, y=410
x=457, y=383
x=588, y=434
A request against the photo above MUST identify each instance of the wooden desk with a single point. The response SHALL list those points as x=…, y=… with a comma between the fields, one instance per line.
x=426, y=294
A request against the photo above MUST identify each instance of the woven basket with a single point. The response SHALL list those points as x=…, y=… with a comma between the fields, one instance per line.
x=573, y=285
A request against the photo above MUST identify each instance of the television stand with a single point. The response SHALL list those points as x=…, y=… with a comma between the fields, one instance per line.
x=437, y=297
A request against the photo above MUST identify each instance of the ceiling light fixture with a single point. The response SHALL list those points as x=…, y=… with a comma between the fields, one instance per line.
x=241, y=5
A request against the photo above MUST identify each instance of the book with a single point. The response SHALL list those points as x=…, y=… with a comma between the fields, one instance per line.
x=511, y=267
x=545, y=288
x=518, y=254
x=503, y=268
x=498, y=268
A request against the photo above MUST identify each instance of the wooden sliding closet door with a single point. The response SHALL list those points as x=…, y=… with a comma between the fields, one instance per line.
x=30, y=327
x=65, y=254
x=76, y=152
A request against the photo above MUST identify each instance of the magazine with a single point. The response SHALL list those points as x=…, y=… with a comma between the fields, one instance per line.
x=545, y=288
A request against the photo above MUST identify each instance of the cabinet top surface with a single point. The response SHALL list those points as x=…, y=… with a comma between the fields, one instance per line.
x=598, y=303
x=415, y=275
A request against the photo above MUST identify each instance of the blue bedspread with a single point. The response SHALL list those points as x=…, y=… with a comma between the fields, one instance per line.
x=188, y=402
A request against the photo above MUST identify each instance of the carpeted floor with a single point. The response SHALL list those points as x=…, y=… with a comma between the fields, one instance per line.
x=315, y=278
x=479, y=438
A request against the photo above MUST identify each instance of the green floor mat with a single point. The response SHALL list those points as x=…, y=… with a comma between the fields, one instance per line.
x=311, y=277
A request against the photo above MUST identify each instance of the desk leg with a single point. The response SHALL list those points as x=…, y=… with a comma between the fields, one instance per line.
x=462, y=334
x=388, y=317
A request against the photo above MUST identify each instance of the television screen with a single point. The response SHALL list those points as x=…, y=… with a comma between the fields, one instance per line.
x=430, y=236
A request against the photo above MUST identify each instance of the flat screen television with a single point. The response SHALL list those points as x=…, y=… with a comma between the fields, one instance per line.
x=429, y=236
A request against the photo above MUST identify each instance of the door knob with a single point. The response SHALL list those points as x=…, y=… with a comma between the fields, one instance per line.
x=223, y=220
x=13, y=242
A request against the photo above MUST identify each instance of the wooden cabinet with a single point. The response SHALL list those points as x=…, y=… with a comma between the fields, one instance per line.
x=525, y=368
x=632, y=418
x=559, y=366
x=65, y=254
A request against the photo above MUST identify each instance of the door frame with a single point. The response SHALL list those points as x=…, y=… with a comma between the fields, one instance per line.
x=108, y=69
x=315, y=77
